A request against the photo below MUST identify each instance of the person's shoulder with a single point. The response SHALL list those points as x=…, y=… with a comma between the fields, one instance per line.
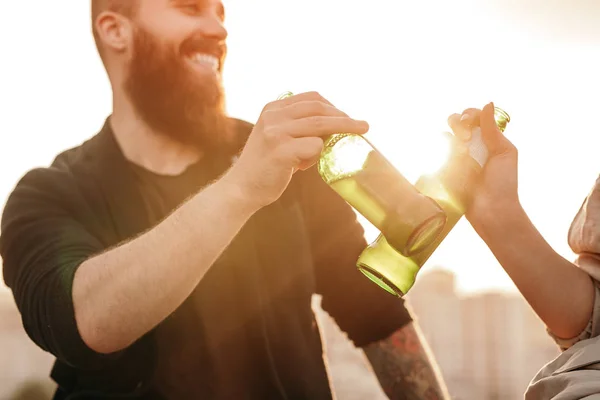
x=59, y=178
x=81, y=156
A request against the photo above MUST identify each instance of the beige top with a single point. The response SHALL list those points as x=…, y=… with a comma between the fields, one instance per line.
x=575, y=373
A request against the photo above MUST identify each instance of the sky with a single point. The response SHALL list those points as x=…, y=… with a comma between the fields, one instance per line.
x=404, y=66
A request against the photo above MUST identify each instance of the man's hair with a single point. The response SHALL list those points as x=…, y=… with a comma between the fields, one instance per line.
x=127, y=8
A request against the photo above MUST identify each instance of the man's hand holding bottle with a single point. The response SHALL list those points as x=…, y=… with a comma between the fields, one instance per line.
x=287, y=137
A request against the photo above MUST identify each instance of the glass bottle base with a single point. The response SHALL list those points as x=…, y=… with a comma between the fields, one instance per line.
x=386, y=267
x=380, y=280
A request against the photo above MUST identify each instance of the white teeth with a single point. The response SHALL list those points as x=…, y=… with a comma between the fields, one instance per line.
x=206, y=59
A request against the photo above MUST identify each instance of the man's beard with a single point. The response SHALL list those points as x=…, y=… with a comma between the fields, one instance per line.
x=171, y=98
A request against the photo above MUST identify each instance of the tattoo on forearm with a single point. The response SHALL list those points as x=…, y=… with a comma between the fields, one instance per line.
x=403, y=367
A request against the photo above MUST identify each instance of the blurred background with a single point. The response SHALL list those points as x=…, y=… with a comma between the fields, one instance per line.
x=404, y=66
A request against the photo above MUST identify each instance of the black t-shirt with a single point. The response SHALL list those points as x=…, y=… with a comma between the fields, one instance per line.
x=246, y=332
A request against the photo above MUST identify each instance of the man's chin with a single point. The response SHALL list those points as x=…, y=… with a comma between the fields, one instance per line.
x=207, y=95
x=211, y=134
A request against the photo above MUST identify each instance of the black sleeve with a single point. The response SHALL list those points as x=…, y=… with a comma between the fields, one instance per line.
x=42, y=245
x=363, y=310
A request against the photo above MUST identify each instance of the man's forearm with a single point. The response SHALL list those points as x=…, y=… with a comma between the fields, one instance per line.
x=404, y=367
x=125, y=292
x=560, y=293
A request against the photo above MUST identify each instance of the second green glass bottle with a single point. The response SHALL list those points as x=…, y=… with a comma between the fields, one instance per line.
x=451, y=188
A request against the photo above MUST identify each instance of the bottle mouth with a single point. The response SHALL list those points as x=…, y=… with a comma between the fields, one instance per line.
x=501, y=113
x=285, y=95
x=410, y=232
x=380, y=280
x=425, y=234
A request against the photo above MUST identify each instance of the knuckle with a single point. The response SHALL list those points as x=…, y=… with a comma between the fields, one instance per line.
x=472, y=112
x=299, y=108
x=318, y=107
x=269, y=106
x=268, y=115
x=453, y=119
x=316, y=95
x=454, y=116
x=317, y=123
x=271, y=134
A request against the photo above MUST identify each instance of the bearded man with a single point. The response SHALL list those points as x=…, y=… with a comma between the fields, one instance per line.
x=174, y=254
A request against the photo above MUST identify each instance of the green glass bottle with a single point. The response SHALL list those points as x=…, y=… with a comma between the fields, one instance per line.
x=452, y=188
x=363, y=177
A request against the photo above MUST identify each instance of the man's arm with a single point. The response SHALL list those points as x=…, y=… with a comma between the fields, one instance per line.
x=405, y=367
x=68, y=287
x=123, y=293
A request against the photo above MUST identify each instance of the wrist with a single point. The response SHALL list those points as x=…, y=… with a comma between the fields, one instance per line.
x=503, y=222
x=235, y=192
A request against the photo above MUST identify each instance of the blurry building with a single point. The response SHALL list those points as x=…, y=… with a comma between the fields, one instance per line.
x=488, y=345
x=24, y=368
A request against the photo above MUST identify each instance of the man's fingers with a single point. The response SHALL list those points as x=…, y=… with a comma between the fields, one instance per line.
x=309, y=108
x=323, y=126
x=288, y=98
x=303, y=152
